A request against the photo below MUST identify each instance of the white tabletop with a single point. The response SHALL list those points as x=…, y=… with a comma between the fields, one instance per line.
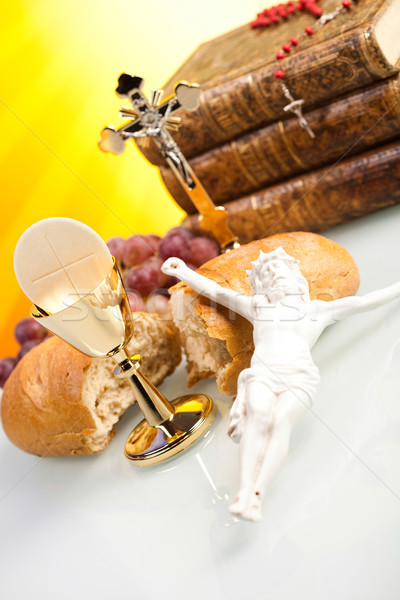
x=98, y=527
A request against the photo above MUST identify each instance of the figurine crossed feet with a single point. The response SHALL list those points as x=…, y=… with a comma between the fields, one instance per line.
x=281, y=383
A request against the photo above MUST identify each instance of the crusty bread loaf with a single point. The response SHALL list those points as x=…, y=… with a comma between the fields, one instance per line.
x=221, y=344
x=59, y=402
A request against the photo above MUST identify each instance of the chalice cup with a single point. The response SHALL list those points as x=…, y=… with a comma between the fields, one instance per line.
x=99, y=324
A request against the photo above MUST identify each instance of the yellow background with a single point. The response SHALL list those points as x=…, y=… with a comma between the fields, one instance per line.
x=59, y=67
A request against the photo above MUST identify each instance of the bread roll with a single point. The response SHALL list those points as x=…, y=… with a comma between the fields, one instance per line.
x=59, y=402
x=219, y=344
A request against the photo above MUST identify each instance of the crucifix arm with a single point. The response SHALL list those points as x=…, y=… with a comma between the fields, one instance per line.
x=170, y=106
x=139, y=134
x=346, y=307
x=239, y=303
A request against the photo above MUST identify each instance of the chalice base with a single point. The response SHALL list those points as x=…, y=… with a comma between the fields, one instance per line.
x=193, y=416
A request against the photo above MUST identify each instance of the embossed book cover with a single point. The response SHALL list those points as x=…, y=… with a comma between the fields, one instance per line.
x=350, y=125
x=236, y=70
x=320, y=199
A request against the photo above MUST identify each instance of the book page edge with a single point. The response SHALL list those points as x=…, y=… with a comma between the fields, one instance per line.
x=387, y=32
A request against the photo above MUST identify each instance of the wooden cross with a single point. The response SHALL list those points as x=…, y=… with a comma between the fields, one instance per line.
x=152, y=118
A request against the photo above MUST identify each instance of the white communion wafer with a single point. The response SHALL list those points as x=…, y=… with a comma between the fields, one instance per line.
x=59, y=260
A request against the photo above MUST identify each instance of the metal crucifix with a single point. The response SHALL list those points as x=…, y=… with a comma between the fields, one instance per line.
x=295, y=106
x=150, y=118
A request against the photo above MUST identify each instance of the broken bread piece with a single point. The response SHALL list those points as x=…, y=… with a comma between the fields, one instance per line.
x=59, y=402
x=219, y=343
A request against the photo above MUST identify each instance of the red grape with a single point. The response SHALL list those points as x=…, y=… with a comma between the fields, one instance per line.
x=155, y=262
x=6, y=367
x=172, y=281
x=163, y=292
x=181, y=231
x=26, y=346
x=136, y=302
x=202, y=249
x=142, y=279
x=158, y=303
x=29, y=329
x=136, y=249
x=175, y=245
x=116, y=245
x=154, y=241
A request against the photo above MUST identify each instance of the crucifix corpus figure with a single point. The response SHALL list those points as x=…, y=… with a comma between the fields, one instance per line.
x=296, y=107
x=281, y=383
x=152, y=119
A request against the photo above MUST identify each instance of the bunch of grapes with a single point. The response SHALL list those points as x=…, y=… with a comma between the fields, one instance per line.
x=29, y=333
x=139, y=258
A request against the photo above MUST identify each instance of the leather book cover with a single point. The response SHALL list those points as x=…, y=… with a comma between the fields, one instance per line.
x=236, y=71
x=351, y=125
x=318, y=200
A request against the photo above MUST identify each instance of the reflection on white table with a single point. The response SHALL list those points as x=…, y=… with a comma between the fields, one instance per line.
x=99, y=527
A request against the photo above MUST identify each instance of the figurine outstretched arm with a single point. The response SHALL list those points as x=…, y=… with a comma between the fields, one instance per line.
x=236, y=302
x=347, y=307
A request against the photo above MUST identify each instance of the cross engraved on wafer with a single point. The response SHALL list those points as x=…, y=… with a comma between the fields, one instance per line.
x=153, y=118
x=63, y=267
x=295, y=106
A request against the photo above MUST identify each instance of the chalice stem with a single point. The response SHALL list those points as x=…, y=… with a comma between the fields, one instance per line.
x=155, y=407
x=153, y=404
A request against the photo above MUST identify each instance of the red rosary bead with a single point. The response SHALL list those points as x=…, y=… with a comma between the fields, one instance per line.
x=280, y=54
x=286, y=47
x=316, y=11
x=294, y=41
x=311, y=7
x=279, y=73
x=261, y=21
x=282, y=11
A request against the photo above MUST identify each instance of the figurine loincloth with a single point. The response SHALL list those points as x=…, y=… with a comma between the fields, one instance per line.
x=299, y=375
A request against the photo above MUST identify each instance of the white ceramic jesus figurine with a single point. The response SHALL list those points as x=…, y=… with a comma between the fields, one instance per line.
x=282, y=379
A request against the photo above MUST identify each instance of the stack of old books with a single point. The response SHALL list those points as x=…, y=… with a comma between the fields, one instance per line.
x=268, y=172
